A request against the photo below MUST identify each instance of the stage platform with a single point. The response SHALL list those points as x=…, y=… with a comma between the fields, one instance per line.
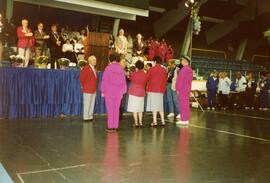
x=217, y=147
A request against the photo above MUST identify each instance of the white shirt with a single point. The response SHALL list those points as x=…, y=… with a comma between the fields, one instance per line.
x=224, y=86
x=67, y=47
x=94, y=70
x=241, y=84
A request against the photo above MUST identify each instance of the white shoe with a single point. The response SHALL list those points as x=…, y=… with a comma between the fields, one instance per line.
x=182, y=122
x=247, y=108
x=208, y=108
x=178, y=116
x=265, y=109
x=213, y=108
x=171, y=115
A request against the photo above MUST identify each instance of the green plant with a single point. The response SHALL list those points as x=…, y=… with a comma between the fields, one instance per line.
x=63, y=61
x=17, y=58
x=42, y=60
x=82, y=63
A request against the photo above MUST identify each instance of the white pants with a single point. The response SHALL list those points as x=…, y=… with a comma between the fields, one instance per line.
x=1, y=50
x=88, y=105
x=25, y=52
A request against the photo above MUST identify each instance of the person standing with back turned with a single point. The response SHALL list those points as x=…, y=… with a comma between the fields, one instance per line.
x=113, y=87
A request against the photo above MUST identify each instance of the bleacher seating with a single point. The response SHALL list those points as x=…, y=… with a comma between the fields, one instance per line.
x=205, y=65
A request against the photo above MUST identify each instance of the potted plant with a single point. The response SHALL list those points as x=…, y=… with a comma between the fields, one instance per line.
x=16, y=60
x=64, y=63
x=42, y=62
x=82, y=63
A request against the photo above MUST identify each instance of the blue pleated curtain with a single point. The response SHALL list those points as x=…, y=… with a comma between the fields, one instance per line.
x=30, y=93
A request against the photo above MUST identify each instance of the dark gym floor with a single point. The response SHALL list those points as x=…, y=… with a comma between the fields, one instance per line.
x=217, y=147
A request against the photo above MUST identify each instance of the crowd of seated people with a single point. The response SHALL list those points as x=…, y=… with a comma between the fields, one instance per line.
x=245, y=92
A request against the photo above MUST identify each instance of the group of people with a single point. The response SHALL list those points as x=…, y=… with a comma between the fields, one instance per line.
x=151, y=84
x=140, y=49
x=242, y=93
x=55, y=44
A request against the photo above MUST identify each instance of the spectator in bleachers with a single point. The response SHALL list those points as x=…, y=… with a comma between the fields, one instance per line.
x=82, y=35
x=250, y=91
x=240, y=88
x=41, y=38
x=138, y=49
x=157, y=80
x=26, y=41
x=264, y=86
x=137, y=93
x=55, y=43
x=121, y=43
x=212, y=86
x=171, y=94
x=223, y=89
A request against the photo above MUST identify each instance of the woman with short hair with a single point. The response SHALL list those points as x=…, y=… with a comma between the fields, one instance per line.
x=157, y=80
x=137, y=93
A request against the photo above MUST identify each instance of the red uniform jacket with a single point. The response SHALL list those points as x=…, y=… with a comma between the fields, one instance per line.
x=88, y=80
x=138, y=82
x=24, y=41
x=157, y=79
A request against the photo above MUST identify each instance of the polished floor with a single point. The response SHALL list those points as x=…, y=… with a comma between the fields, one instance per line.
x=218, y=147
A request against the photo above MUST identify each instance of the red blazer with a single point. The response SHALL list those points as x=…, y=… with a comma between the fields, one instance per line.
x=88, y=80
x=157, y=79
x=138, y=83
x=23, y=41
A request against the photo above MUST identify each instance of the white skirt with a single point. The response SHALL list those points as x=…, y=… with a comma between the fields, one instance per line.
x=155, y=102
x=135, y=104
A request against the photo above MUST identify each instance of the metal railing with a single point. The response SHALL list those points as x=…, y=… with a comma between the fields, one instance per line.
x=211, y=51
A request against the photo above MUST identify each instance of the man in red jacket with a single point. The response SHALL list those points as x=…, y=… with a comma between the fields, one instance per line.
x=89, y=80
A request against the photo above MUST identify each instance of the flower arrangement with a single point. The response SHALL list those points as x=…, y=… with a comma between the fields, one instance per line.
x=82, y=63
x=42, y=60
x=197, y=24
x=17, y=59
x=63, y=61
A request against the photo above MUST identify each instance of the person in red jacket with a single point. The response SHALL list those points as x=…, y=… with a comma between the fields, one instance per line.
x=25, y=41
x=89, y=80
x=169, y=53
x=137, y=93
x=157, y=81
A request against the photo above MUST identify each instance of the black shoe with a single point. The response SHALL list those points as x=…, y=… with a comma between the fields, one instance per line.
x=154, y=125
x=109, y=130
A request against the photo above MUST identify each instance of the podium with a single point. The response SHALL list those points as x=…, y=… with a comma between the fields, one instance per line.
x=97, y=44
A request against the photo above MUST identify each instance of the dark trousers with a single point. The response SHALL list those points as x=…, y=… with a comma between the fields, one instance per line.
x=250, y=99
x=223, y=100
x=55, y=55
x=240, y=99
x=211, y=96
x=264, y=99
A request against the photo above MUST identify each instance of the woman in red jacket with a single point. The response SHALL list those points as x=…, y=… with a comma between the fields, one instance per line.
x=137, y=93
x=25, y=41
x=157, y=81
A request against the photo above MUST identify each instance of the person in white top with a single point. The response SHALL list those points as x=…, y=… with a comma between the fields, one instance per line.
x=68, y=50
x=121, y=43
x=224, y=87
x=241, y=84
